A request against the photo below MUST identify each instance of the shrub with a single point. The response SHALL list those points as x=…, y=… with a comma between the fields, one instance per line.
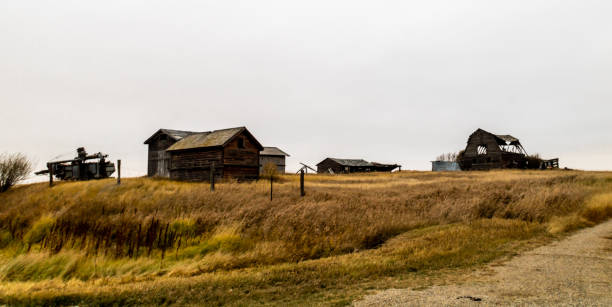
x=450, y=157
x=13, y=169
x=270, y=170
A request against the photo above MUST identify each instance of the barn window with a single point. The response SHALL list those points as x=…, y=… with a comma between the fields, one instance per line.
x=482, y=149
x=240, y=143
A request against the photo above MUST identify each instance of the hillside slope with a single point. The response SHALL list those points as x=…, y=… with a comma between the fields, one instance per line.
x=151, y=241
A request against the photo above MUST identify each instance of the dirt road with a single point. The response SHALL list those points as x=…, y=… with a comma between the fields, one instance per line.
x=576, y=271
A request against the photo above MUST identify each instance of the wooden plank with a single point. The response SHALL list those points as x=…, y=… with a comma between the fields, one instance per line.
x=118, y=171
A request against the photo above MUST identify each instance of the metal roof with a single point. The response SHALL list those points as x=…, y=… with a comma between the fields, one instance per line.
x=384, y=164
x=273, y=151
x=350, y=162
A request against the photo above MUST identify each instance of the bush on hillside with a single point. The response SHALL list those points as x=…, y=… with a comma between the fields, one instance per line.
x=13, y=169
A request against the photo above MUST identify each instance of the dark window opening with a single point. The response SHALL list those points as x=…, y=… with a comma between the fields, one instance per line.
x=240, y=143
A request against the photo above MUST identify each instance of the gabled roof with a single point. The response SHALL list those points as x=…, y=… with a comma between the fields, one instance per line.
x=211, y=139
x=273, y=151
x=502, y=139
x=349, y=162
x=174, y=134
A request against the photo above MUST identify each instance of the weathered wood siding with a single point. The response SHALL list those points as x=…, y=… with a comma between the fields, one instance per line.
x=241, y=162
x=494, y=158
x=279, y=161
x=159, y=159
x=194, y=165
x=238, y=159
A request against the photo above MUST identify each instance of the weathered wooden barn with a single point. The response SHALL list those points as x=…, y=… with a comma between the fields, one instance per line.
x=346, y=166
x=159, y=158
x=486, y=150
x=186, y=155
x=272, y=155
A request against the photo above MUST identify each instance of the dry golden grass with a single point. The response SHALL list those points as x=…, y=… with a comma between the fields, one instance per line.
x=152, y=241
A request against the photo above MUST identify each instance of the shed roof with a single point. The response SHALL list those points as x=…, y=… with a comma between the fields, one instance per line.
x=210, y=139
x=175, y=134
x=350, y=162
x=273, y=151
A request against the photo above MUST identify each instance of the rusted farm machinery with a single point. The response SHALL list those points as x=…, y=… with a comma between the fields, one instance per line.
x=79, y=168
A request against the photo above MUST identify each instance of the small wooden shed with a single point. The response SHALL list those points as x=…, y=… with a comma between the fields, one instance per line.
x=158, y=157
x=272, y=155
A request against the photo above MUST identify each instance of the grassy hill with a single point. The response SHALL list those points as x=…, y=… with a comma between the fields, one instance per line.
x=154, y=241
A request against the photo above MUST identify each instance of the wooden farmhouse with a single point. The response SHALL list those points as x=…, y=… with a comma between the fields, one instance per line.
x=187, y=155
x=346, y=166
x=272, y=155
x=486, y=150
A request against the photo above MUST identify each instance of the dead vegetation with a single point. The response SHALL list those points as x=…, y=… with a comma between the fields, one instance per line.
x=364, y=226
x=13, y=169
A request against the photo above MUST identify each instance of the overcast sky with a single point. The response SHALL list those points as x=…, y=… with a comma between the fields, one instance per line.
x=387, y=81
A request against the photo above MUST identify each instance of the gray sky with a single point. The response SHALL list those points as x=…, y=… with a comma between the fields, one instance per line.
x=388, y=81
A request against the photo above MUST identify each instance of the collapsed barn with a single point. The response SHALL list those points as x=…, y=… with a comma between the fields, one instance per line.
x=486, y=151
x=187, y=155
x=347, y=166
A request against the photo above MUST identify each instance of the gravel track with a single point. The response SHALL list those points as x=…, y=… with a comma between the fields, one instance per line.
x=576, y=271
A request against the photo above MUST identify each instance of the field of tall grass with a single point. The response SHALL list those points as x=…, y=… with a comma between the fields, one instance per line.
x=155, y=241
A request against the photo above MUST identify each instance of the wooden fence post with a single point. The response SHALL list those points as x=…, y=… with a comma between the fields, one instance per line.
x=302, y=193
x=50, y=166
x=212, y=176
x=118, y=171
x=271, y=180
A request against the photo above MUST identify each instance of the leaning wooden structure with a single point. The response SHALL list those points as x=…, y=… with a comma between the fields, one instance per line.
x=486, y=150
x=347, y=166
